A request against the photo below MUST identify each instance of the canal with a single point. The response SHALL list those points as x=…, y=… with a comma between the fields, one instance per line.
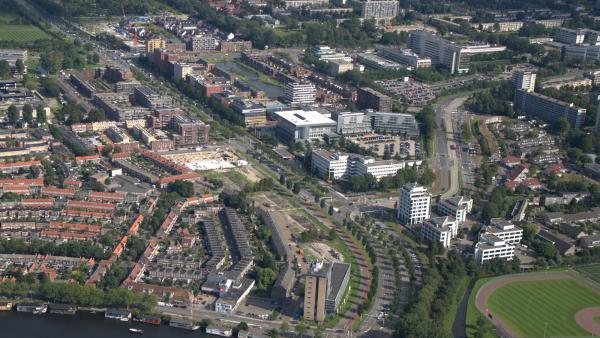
x=252, y=78
x=82, y=325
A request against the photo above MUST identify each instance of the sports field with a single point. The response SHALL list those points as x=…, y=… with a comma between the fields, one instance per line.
x=554, y=304
x=532, y=308
x=14, y=28
x=591, y=272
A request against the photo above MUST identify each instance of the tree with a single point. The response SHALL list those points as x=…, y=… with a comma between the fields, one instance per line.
x=50, y=87
x=96, y=115
x=331, y=210
x=40, y=114
x=19, y=66
x=4, y=70
x=183, y=188
x=243, y=326
x=281, y=179
x=296, y=188
x=13, y=114
x=28, y=113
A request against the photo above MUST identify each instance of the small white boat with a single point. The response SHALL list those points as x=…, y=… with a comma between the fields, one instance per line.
x=136, y=331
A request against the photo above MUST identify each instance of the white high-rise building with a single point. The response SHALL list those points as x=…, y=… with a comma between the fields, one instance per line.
x=457, y=207
x=414, y=203
x=300, y=92
x=505, y=230
x=524, y=80
x=498, y=240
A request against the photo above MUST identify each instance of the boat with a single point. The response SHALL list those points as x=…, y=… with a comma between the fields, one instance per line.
x=34, y=308
x=184, y=324
x=148, y=319
x=63, y=309
x=136, y=331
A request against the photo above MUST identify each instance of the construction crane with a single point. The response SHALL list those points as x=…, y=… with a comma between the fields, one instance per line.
x=124, y=17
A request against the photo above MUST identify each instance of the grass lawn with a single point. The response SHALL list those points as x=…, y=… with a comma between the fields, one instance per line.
x=473, y=314
x=597, y=320
x=532, y=308
x=591, y=272
x=14, y=28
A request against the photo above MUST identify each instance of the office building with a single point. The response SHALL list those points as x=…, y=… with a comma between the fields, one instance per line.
x=377, y=62
x=368, y=98
x=445, y=53
x=303, y=3
x=491, y=246
x=324, y=289
x=376, y=9
x=548, y=109
x=394, y=123
x=325, y=53
x=188, y=132
x=338, y=165
x=457, y=207
x=338, y=67
x=414, y=203
x=254, y=114
x=406, y=57
x=352, y=123
x=505, y=230
x=440, y=229
x=524, y=80
x=204, y=42
x=153, y=44
x=302, y=125
x=300, y=93
x=569, y=36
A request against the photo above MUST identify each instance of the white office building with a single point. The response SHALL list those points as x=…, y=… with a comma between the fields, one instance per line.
x=440, y=229
x=414, y=204
x=406, y=57
x=524, y=80
x=300, y=93
x=337, y=166
x=326, y=53
x=457, y=207
x=302, y=125
x=569, y=36
x=491, y=246
x=498, y=240
x=504, y=230
x=445, y=53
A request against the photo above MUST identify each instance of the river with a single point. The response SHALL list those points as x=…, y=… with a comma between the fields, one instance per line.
x=82, y=325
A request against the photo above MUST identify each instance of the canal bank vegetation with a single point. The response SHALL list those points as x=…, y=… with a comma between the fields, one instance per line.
x=32, y=286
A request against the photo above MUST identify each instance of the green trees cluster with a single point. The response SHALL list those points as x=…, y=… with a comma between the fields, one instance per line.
x=494, y=101
x=76, y=294
x=427, y=124
x=424, y=176
x=70, y=249
x=499, y=204
x=183, y=188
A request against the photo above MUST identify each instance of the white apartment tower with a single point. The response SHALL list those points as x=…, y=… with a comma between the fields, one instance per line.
x=414, y=203
x=440, y=229
x=524, y=80
x=300, y=93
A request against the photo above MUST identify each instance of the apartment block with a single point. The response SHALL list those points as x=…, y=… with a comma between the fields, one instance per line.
x=352, y=123
x=569, y=36
x=549, y=109
x=324, y=289
x=376, y=9
x=524, y=80
x=394, y=123
x=188, y=132
x=406, y=57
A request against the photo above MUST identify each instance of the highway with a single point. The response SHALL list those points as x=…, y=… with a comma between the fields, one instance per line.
x=445, y=159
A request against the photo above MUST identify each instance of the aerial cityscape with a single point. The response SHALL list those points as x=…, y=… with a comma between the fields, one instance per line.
x=300, y=168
